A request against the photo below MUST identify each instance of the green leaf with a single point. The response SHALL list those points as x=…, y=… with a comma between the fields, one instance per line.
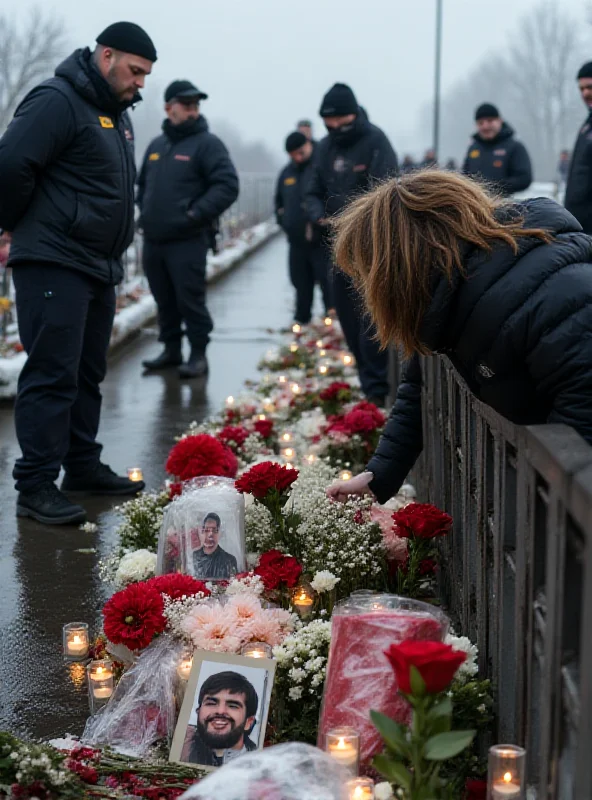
x=447, y=745
x=392, y=733
x=441, y=709
x=393, y=771
x=439, y=725
x=418, y=686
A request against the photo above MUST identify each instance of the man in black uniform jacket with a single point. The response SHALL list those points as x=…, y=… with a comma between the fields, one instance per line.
x=495, y=155
x=67, y=176
x=348, y=161
x=307, y=259
x=186, y=182
x=578, y=192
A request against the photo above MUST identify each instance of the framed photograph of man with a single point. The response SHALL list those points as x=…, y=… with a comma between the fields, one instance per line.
x=225, y=709
x=203, y=531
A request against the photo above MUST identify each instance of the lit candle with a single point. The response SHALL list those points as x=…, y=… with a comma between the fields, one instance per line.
x=296, y=389
x=288, y=465
x=296, y=328
x=347, y=359
x=506, y=772
x=361, y=789
x=293, y=347
x=302, y=600
x=322, y=352
x=135, y=474
x=343, y=745
x=269, y=406
x=257, y=650
x=287, y=436
x=100, y=679
x=288, y=452
x=310, y=458
x=328, y=321
x=282, y=379
x=184, y=668
x=345, y=475
x=75, y=641
x=229, y=401
x=323, y=369
x=319, y=343
x=261, y=417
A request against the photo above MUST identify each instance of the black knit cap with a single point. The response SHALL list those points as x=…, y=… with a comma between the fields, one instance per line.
x=129, y=38
x=339, y=102
x=295, y=141
x=486, y=111
x=585, y=71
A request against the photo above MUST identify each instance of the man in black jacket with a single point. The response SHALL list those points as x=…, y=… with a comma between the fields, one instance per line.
x=307, y=259
x=67, y=196
x=348, y=161
x=578, y=192
x=186, y=182
x=495, y=155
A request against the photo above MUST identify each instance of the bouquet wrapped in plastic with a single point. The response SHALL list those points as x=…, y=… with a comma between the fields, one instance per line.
x=285, y=772
x=142, y=709
x=359, y=676
x=203, y=531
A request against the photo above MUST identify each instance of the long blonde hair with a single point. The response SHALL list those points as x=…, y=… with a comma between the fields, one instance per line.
x=392, y=240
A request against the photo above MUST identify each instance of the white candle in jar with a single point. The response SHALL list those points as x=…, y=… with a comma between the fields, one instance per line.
x=230, y=401
x=344, y=752
x=328, y=321
x=135, y=474
x=184, y=668
x=288, y=452
x=282, y=379
x=296, y=388
x=100, y=675
x=347, y=360
x=506, y=789
x=293, y=347
x=296, y=328
x=287, y=436
x=345, y=475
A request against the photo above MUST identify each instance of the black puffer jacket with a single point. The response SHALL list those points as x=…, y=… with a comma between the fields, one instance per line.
x=518, y=330
x=502, y=160
x=290, y=206
x=186, y=182
x=67, y=174
x=578, y=192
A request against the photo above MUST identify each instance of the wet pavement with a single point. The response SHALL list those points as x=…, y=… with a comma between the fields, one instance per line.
x=45, y=579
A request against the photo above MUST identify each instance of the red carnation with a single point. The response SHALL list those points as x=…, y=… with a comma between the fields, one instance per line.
x=266, y=477
x=437, y=664
x=338, y=390
x=235, y=434
x=133, y=617
x=422, y=520
x=364, y=417
x=200, y=455
x=275, y=568
x=175, y=489
x=264, y=427
x=175, y=585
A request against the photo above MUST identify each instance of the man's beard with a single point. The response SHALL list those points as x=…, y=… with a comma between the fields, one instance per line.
x=220, y=741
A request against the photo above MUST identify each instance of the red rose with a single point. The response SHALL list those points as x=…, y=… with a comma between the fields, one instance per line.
x=372, y=409
x=422, y=520
x=275, y=568
x=264, y=427
x=437, y=664
x=475, y=789
x=234, y=433
x=133, y=617
x=364, y=418
x=264, y=478
x=200, y=455
x=338, y=390
x=337, y=424
x=175, y=585
x=428, y=566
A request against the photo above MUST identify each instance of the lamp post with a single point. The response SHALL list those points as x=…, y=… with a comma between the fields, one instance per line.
x=437, y=77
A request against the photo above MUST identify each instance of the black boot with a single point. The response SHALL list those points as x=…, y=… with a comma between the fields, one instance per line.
x=101, y=480
x=170, y=357
x=196, y=366
x=47, y=504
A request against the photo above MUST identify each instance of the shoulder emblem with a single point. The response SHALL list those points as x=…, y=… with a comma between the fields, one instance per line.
x=360, y=168
x=289, y=181
x=498, y=163
x=474, y=154
x=182, y=157
x=153, y=156
x=106, y=122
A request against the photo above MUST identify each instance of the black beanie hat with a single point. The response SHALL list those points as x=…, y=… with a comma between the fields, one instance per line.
x=129, y=38
x=486, y=111
x=585, y=71
x=339, y=101
x=294, y=141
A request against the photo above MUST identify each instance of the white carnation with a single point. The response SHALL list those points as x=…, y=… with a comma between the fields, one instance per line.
x=469, y=668
x=138, y=565
x=324, y=581
x=295, y=693
x=383, y=791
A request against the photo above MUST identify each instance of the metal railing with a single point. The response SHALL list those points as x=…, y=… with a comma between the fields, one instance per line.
x=253, y=206
x=517, y=572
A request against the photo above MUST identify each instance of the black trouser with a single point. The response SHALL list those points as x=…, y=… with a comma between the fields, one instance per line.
x=309, y=265
x=176, y=272
x=358, y=331
x=65, y=319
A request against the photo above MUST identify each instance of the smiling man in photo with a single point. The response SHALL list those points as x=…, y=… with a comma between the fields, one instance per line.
x=211, y=561
x=226, y=711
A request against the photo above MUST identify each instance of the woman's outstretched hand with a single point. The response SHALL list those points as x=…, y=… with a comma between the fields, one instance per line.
x=357, y=486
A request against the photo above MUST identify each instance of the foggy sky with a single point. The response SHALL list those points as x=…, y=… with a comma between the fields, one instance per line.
x=265, y=63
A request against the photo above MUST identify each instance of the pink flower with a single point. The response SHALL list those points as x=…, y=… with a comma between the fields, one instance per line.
x=396, y=546
x=218, y=637
x=264, y=628
x=244, y=607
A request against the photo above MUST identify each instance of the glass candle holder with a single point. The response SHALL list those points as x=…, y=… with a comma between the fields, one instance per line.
x=323, y=369
x=319, y=343
x=328, y=322
x=229, y=401
x=345, y=475
x=296, y=328
x=303, y=601
x=343, y=745
x=361, y=789
x=295, y=388
x=75, y=641
x=322, y=353
x=288, y=453
x=135, y=474
x=311, y=458
x=294, y=347
x=347, y=360
x=99, y=675
x=506, y=773
x=282, y=379
x=184, y=667
x=257, y=650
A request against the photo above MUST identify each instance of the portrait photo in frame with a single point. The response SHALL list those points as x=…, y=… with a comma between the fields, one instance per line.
x=225, y=709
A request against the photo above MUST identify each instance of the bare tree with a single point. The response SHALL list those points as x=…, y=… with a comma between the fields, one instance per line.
x=29, y=53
